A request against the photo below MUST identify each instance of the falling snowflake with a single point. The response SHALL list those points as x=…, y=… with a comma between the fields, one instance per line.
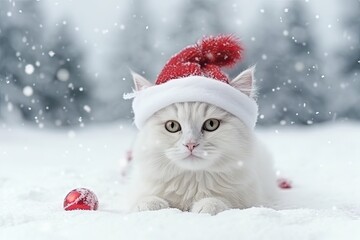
x=29, y=69
x=51, y=53
x=10, y=107
x=87, y=108
x=71, y=86
x=58, y=122
x=299, y=66
x=63, y=74
x=71, y=134
x=28, y=91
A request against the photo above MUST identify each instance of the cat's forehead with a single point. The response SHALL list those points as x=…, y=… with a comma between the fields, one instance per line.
x=192, y=111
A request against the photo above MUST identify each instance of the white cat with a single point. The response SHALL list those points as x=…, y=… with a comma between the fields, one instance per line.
x=197, y=157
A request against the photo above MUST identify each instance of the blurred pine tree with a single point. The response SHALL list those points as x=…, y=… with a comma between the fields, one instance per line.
x=30, y=88
x=291, y=87
x=67, y=90
x=348, y=87
x=133, y=50
x=198, y=18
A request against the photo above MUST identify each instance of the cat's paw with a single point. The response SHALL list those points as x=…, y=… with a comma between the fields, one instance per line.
x=151, y=203
x=211, y=206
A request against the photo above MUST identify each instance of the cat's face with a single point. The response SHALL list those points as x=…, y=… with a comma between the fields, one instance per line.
x=198, y=136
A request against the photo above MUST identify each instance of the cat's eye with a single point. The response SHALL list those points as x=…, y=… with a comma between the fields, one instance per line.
x=172, y=126
x=211, y=124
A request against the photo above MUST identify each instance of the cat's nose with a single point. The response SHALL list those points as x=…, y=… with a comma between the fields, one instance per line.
x=191, y=146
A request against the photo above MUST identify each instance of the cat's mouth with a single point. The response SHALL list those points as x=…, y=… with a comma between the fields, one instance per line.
x=195, y=160
x=192, y=156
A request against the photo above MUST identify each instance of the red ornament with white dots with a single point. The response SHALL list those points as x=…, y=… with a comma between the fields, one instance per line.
x=81, y=199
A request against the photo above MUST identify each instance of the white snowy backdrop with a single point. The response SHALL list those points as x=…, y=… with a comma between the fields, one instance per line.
x=66, y=63
x=64, y=67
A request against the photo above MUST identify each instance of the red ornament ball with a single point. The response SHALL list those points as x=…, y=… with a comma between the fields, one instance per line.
x=284, y=183
x=81, y=199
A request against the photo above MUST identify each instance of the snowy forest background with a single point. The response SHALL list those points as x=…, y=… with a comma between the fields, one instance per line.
x=54, y=73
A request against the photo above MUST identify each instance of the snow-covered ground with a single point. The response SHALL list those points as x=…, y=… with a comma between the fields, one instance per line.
x=38, y=168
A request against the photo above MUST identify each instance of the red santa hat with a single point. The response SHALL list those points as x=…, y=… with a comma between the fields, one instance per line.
x=195, y=75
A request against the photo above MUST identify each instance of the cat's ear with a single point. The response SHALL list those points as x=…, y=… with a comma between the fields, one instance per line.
x=140, y=82
x=245, y=82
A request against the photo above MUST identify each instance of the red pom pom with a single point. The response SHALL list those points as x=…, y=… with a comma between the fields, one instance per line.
x=203, y=59
x=81, y=199
x=223, y=50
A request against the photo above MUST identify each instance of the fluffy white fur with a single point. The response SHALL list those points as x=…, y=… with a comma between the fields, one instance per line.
x=228, y=169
